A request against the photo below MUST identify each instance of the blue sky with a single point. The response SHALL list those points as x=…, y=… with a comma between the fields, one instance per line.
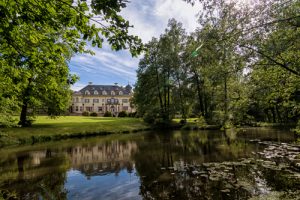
x=149, y=18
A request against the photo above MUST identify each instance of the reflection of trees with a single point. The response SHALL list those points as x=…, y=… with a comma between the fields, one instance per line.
x=45, y=181
x=42, y=173
x=170, y=166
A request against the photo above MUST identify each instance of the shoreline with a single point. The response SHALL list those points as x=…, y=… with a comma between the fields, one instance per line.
x=46, y=130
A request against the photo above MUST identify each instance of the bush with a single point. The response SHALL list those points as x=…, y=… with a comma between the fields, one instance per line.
x=133, y=114
x=107, y=114
x=193, y=115
x=8, y=107
x=122, y=114
x=182, y=122
x=297, y=129
x=85, y=113
x=93, y=114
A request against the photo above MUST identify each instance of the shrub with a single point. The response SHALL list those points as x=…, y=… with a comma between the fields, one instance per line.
x=297, y=129
x=93, y=114
x=122, y=114
x=85, y=113
x=133, y=114
x=182, y=122
x=107, y=114
x=193, y=115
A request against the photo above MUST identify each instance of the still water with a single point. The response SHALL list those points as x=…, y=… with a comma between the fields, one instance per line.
x=244, y=164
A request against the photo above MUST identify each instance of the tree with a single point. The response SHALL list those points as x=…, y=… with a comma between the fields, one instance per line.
x=221, y=71
x=276, y=20
x=159, y=92
x=38, y=38
x=263, y=35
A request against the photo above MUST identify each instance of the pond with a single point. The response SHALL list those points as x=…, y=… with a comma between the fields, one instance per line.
x=252, y=163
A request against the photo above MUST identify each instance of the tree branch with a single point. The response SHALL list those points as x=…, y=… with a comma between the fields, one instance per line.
x=283, y=65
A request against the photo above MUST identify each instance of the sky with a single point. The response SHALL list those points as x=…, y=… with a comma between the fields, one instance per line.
x=150, y=19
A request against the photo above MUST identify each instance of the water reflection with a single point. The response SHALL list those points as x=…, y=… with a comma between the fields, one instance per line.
x=171, y=165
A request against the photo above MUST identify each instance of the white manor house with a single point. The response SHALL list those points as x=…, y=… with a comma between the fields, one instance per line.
x=102, y=98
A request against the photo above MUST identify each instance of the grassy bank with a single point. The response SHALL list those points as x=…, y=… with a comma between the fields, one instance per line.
x=46, y=129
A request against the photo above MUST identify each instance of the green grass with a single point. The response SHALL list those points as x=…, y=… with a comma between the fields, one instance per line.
x=46, y=129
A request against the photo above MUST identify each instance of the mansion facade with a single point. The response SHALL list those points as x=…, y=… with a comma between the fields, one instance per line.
x=102, y=98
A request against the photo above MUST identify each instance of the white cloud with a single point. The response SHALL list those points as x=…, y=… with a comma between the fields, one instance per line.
x=150, y=19
x=77, y=86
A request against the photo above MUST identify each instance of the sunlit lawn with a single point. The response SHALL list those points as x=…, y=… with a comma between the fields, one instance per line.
x=68, y=125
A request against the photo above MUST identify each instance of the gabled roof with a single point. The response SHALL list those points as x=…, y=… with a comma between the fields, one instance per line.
x=107, y=88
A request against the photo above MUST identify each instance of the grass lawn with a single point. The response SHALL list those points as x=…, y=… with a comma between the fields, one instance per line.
x=45, y=128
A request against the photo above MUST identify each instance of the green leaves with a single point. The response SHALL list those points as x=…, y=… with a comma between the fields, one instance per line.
x=38, y=38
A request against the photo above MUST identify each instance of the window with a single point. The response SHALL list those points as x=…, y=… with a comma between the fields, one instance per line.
x=103, y=100
x=125, y=108
x=76, y=108
x=77, y=100
x=104, y=92
x=86, y=101
x=99, y=109
x=113, y=93
x=120, y=93
x=108, y=100
x=124, y=100
x=80, y=108
x=95, y=100
x=96, y=92
x=87, y=92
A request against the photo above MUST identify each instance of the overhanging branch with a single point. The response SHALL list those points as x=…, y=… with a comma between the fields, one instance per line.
x=283, y=65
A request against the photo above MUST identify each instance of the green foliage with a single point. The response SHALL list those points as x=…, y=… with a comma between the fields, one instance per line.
x=93, y=114
x=159, y=91
x=239, y=67
x=297, y=129
x=37, y=41
x=85, y=113
x=7, y=110
x=132, y=114
x=107, y=114
x=201, y=122
x=122, y=114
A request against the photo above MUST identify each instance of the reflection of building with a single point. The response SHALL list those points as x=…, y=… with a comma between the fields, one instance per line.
x=102, y=98
x=98, y=159
x=103, y=158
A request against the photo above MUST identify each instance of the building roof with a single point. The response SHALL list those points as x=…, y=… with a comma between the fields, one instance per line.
x=127, y=90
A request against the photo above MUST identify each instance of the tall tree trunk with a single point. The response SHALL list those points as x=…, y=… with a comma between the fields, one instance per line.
x=23, y=117
x=225, y=98
x=279, y=118
x=180, y=97
x=205, y=105
x=199, y=92
x=165, y=97
x=273, y=114
x=158, y=86
x=168, y=93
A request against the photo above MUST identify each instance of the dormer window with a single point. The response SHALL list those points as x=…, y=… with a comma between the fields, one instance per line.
x=87, y=92
x=120, y=93
x=96, y=92
x=104, y=92
x=113, y=93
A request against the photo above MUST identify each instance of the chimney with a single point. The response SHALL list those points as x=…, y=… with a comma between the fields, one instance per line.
x=90, y=83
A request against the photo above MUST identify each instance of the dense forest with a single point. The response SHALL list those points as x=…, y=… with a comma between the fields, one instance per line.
x=240, y=66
